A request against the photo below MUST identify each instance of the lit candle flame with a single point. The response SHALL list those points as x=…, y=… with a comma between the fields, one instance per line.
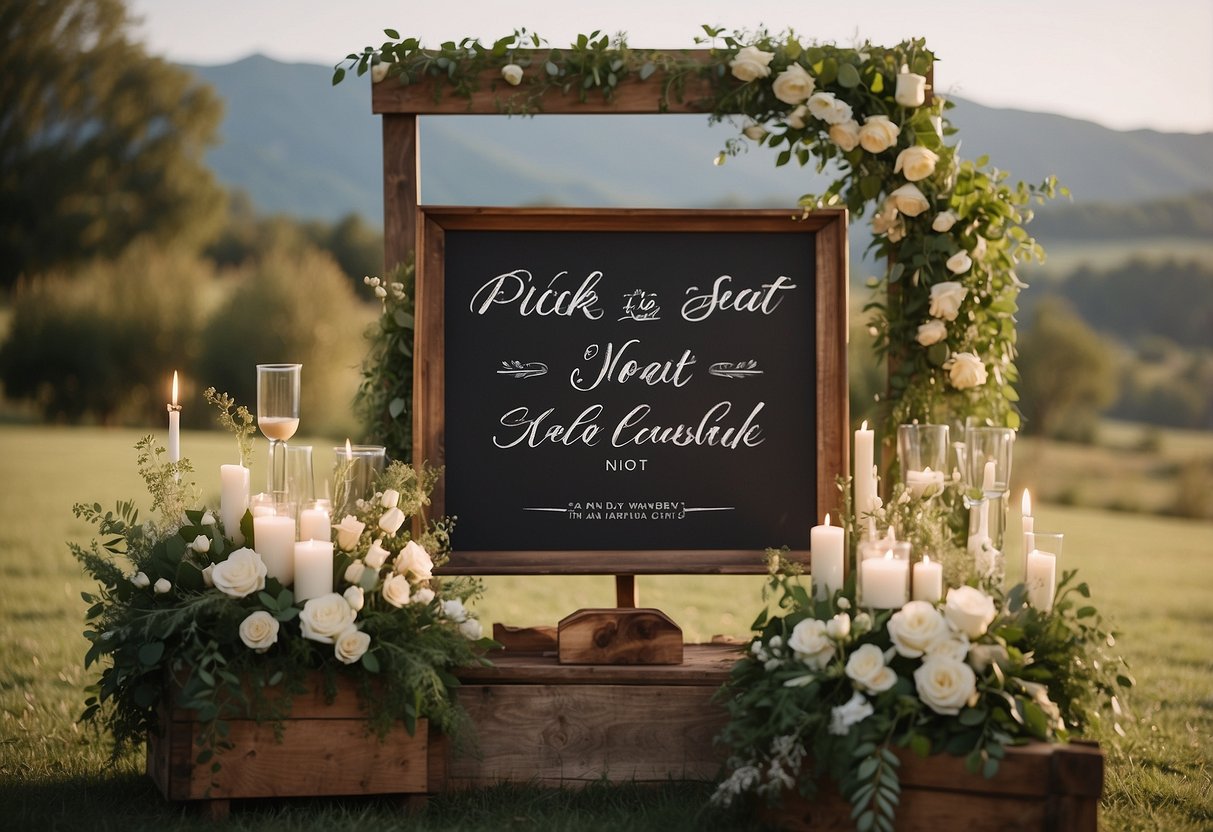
x=1027, y=503
x=864, y=426
x=888, y=555
x=174, y=388
x=827, y=519
x=926, y=558
x=349, y=450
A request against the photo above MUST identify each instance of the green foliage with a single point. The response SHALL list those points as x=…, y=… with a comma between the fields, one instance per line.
x=384, y=402
x=100, y=143
x=102, y=343
x=241, y=423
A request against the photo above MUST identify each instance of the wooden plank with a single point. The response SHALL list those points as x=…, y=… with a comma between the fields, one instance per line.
x=525, y=639
x=703, y=665
x=311, y=704
x=832, y=304
x=568, y=735
x=619, y=636
x=613, y=561
x=494, y=96
x=401, y=187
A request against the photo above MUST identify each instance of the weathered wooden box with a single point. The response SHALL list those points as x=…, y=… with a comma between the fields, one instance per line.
x=1039, y=787
x=325, y=750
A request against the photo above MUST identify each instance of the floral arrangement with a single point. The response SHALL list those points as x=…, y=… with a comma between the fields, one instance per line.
x=183, y=609
x=950, y=230
x=830, y=689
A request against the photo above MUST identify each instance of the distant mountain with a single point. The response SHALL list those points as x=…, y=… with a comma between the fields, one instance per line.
x=297, y=145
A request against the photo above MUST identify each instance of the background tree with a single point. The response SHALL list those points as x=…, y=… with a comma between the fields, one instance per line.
x=100, y=143
x=1066, y=371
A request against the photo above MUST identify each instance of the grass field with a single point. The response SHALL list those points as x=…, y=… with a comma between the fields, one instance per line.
x=1152, y=576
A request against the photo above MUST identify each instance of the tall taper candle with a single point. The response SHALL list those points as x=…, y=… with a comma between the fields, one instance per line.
x=174, y=425
x=865, y=476
x=1029, y=524
x=826, y=559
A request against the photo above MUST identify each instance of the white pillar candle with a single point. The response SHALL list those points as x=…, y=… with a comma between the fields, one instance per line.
x=865, y=475
x=924, y=483
x=174, y=425
x=927, y=580
x=315, y=524
x=274, y=539
x=233, y=499
x=313, y=569
x=884, y=582
x=1041, y=578
x=1028, y=526
x=826, y=546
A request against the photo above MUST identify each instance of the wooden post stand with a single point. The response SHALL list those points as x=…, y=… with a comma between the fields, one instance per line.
x=623, y=635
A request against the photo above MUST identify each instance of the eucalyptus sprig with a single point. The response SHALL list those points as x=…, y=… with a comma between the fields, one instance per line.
x=241, y=423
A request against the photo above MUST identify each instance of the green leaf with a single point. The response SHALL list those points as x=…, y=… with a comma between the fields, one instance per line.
x=338, y=75
x=973, y=716
x=396, y=407
x=647, y=70
x=551, y=69
x=151, y=653
x=848, y=76
x=370, y=662
x=392, y=33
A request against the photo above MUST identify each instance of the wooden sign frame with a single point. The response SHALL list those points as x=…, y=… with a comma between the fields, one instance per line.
x=826, y=228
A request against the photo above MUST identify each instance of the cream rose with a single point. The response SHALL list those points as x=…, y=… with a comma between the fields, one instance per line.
x=348, y=532
x=932, y=332
x=140, y=580
x=793, y=85
x=811, y=644
x=915, y=627
x=969, y=610
x=208, y=519
x=845, y=135
x=866, y=668
x=839, y=627
x=201, y=544
x=755, y=132
x=454, y=610
x=878, y=134
x=981, y=656
x=355, y=597
x=242, y=574
x=350, y=644
x=376, y=556
x=378, y=72
x=392, y=520
x=909, y=200
x=955, y=647
x=751, y=63
x=842, y=717
x=162, y=586
x=795, y=119
x=390, y=498
x=827, y=107
x=944, y=684
x=324, y=618
x=512, y=73
x=946, y=298
x=259, y=631
x=911, y=89
x=396, y=590
x=916, y=163
x=959, y=263
x=943, y=221
x=884, y=219
x=966, y=370
x=415, y=560
x=471, y=629
x=355, y=571
x=207, y=576
x=422, y=596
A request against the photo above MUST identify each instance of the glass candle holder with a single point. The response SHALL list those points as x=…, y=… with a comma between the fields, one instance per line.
x=884, y=578
x=278, y=387
x=355, y=470
x=923, y=453
x=988, y=458
x=1040, y=572
x=300, y=480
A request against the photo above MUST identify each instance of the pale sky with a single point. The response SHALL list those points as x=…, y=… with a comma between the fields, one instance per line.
x=1126, y=64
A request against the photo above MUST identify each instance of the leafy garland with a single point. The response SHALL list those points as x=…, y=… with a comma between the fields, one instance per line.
x=951, y=230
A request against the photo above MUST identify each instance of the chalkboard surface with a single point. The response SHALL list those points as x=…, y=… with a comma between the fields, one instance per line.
x=648, y=388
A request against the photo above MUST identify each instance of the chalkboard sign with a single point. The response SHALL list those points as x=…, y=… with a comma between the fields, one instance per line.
x=630, y=391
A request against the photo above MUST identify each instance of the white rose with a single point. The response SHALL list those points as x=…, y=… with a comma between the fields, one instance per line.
x=396, y=590
x=959, y=262
x=897, y=231
x=350, y=644
x=453, y=609
x=755, y=132
x=141, y=580
x=348, y=532
x=811, y=644
x=378, y=72
x=878, y=134
x=471, y=629
x=884, y=219
x=795, y=119
x=955, y=647
x=355, y=571
x=845, y=135
x=208, y=519
x=162, y=586
x=861, y=623
x=324, y=618
x=207, y=578
x=243, y=573
x=259, y=631
x=917, y=163
x=354, y=597
x=932, y=332
x=943, y=221
x=201, y=544
x=422, y=596
x=827, y=107
x=909, y=200
x=969, y=610
x=842, y=717
x=390, y=498
x=414, y=559
x=512, y=73
x=946, y=298
x=966, y=370
x=944, y=684
x=793, y=85
x=392, y=520
x=911, y=89
x=981, y=656
x=915, y=627
x=751, y=63
x=866, y=668
x=376, y=556
x=839, y=627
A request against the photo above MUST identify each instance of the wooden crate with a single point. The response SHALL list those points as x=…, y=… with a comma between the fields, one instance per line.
x=1039, y=787
x=325, y=750
x=538, y=721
